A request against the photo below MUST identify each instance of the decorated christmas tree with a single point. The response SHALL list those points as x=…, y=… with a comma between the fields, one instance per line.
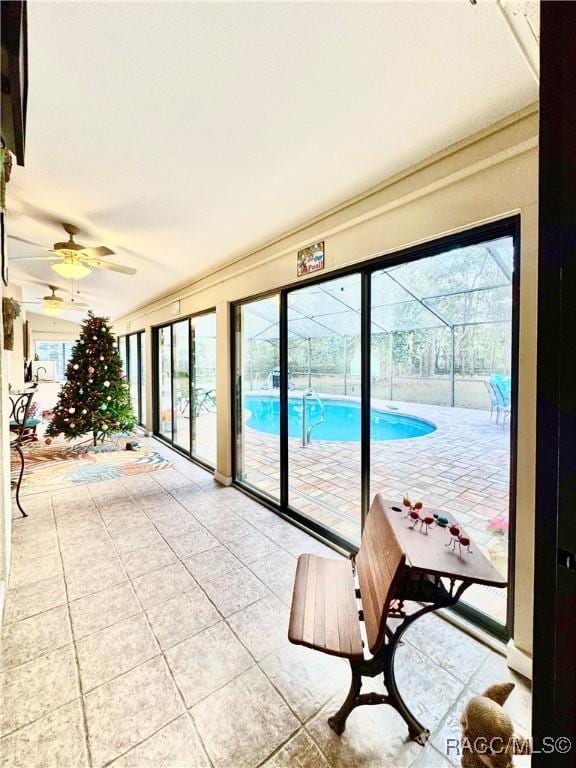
x=95, y=397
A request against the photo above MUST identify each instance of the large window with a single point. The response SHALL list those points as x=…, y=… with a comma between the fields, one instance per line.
x=203, y=394
x=257, y=394
x=393, y=378
x=133, y=355
x=57, y=352
x=324, y=403
x=181, y=384
x=185, y=405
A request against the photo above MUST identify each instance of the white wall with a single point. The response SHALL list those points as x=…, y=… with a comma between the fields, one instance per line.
x=47, y=328
x=490, y=176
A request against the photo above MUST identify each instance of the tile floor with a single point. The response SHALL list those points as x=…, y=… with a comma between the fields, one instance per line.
x=145, y=626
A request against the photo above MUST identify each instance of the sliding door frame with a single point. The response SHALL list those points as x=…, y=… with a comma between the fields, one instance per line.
x=156, y=384
x=139, y=336
x=505, y=227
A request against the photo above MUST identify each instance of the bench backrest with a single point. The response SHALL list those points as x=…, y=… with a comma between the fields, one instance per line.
x=379, y=562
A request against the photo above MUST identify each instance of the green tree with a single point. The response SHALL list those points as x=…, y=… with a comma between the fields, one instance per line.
x=95, y=397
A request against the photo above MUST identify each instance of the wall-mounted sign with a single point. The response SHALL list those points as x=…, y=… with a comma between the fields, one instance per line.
x=310, y=259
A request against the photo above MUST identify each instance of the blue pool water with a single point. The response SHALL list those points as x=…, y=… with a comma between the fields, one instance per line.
x=341, y=419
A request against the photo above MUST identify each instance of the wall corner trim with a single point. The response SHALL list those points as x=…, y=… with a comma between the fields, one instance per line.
x=518, y=660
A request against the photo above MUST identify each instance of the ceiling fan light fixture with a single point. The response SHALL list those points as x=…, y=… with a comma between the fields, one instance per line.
x=52, y=307
x=71, y=269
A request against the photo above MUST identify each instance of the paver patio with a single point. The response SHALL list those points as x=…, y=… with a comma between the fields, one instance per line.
x=462, y=467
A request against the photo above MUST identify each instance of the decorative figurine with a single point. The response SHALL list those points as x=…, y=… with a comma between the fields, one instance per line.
x=414, y=514
x=457, y=537
x=425, y=521
x=488, y=737
x=441, y=521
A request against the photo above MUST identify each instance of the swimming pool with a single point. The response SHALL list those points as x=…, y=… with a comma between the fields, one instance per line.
x=341, y=419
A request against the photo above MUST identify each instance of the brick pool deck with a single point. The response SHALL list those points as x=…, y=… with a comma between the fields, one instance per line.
x=462, y=467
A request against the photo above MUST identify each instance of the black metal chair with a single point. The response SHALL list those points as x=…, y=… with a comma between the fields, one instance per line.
x=22, y=432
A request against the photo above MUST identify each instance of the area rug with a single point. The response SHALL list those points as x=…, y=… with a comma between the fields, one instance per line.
x=61, y=465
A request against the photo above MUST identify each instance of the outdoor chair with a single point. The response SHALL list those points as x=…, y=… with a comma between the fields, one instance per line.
x=182, y=401
x=499, y=388
x=493, y=398
x=204, y=400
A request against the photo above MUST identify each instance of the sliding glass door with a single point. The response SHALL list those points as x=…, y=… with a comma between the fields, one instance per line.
x=181, y=385
x=257, y=395
x=133, y=373
x=164, y=389
x=132, y=353
x=441, y=381
x=324, y=425
x=204, y=387
x=185, y=391
x=398, y=378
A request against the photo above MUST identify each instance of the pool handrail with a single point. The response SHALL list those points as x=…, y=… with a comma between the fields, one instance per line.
x=307, y=432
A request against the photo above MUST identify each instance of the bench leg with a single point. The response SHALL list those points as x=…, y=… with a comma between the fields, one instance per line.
x=416, y=730
x=354, y=699
x=338, y=721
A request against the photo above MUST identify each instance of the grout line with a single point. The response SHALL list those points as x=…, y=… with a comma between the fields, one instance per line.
x=40, y=717
x=143, y=741
x=40, y=655
x=78, y=676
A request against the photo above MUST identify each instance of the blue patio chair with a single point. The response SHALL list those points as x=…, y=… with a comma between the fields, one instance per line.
x=501, y=387
x=493, y=398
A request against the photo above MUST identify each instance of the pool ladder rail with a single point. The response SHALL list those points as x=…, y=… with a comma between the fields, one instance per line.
x=307, y=430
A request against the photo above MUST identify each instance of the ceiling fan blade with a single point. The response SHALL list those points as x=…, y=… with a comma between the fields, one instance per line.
x=112, y=267
x=35, y=258
x=97, y=252
x=30, y=302
x=23, y=240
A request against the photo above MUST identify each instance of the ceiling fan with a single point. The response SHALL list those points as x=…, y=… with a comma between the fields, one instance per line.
x=73, y=260
x=53, y=304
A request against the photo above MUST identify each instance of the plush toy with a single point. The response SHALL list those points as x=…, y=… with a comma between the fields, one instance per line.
x=488, y=737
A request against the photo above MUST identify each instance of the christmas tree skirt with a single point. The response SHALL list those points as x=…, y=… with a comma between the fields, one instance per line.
x=60, y=465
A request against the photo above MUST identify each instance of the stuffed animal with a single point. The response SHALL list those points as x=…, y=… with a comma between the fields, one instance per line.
x=488, y=737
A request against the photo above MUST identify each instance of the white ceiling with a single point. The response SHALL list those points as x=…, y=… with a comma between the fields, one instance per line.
x=185, y=134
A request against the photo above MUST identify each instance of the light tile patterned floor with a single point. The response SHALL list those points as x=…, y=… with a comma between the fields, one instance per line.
x=146, y=626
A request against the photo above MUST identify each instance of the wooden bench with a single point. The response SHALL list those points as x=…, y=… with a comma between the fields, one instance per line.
x=336, y=603
x=325, y=612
